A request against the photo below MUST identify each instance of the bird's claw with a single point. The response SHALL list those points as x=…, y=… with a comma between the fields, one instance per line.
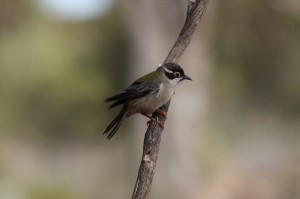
x=161, y=112
x=155, y=120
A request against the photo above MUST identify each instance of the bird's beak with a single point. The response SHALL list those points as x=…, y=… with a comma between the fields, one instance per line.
x=186, y=77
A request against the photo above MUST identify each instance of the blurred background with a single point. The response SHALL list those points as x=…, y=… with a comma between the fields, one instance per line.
x=233, y=132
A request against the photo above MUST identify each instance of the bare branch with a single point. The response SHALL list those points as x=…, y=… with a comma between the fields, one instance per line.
x=195, y=11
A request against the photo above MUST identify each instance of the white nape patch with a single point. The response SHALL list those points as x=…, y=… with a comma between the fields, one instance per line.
x=167, y=70
x=159, y=65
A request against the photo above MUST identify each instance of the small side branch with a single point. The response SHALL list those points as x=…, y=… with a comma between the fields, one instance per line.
x=195, y=11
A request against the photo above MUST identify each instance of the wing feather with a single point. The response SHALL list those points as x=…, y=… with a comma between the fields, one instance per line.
x=134, y=91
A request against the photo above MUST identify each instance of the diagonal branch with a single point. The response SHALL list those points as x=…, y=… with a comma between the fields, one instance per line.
x=195, y=11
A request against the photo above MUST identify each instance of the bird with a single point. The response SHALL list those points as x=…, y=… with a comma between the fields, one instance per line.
x=146, y=95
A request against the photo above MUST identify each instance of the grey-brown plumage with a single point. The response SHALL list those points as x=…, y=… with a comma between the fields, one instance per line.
x=146, y=94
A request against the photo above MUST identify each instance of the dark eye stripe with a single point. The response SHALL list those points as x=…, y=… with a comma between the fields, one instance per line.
x=170, y=75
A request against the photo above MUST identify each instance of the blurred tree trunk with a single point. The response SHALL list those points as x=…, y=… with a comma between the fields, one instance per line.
x=9, y=12
x=154, y=27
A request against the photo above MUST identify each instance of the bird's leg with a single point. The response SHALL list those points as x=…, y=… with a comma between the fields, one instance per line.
x=148, y=116
x=152, y=119
x=161, y=112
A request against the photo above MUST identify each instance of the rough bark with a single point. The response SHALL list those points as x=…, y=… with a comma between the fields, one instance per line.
x=196, y=9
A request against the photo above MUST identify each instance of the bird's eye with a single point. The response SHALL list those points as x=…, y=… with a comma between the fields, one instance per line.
x=176, y=74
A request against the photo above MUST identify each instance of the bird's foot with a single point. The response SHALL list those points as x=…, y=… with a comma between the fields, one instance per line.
x=161, y=112
x=154, y=120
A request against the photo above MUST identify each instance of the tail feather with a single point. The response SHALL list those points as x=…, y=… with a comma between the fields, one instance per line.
x=112, y=128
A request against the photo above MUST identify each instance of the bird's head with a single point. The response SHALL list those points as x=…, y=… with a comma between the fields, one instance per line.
x=173, y=72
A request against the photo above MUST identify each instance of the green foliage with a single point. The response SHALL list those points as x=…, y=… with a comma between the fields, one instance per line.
x=256, y=59
x=54, y=76
x=45, y=191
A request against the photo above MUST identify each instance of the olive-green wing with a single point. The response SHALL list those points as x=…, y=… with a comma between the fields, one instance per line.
x=136, y=90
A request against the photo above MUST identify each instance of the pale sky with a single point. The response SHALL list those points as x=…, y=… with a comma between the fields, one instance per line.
x=74, y=10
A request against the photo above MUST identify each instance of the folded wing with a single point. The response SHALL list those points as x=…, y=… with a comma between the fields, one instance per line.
x=134, y=91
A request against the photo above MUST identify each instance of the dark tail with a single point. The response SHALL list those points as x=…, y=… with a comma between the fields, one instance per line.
x=112, y=128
